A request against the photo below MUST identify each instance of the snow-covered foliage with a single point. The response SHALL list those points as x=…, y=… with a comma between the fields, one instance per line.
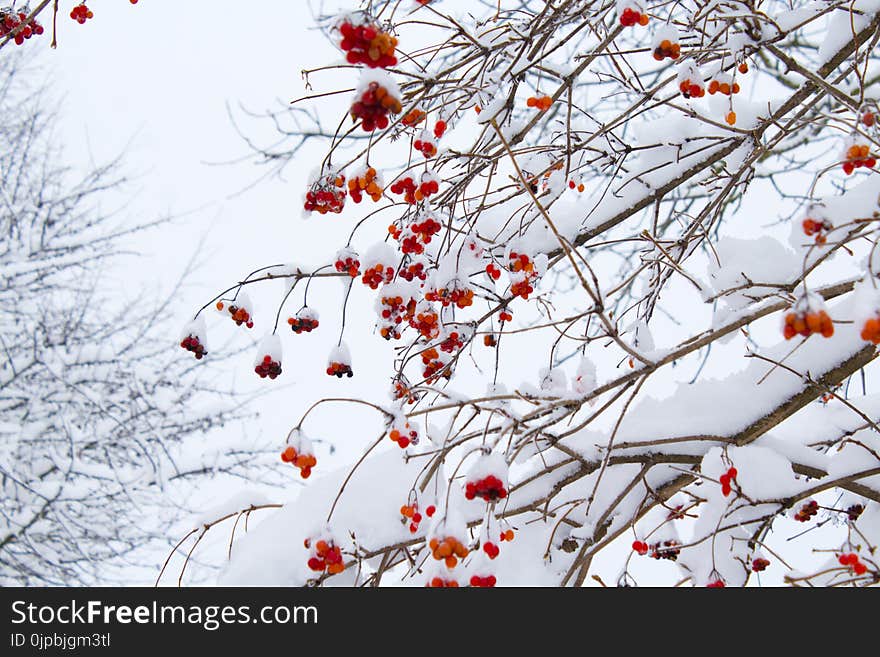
x=648, y=229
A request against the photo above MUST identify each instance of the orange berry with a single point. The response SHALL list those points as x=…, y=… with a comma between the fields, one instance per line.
x=219, y=305
x=335, y=568
x=322, y=548
x=730, y=118
x=451, y=562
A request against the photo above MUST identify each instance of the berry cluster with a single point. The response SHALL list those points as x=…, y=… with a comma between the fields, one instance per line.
x=434, y=366
x=347, y=262
x=450, y=550
x=426, y=145
x=856, y=156
x=18, y=25
x=413, y=117
x=807, y=511
x=488, y=581
x=452, y=342
x=404, y=435
x=456, y=294
x=524, y=271
x=716, y=584
x=377, y=275
x=305, y=321
x=542, y=103
x=726, y=480
x=325, y=557
x=490, y=488
x=412, y=270
x=573, y=185
x=667, y=48
x=413, y=193
x=489, y=340
x=240, y=314
x=400, y=389
x=666, y=550
x=429, y=185
x=426, y=322
x=405, y=186
x=760, y=564
x=640, y=547
x=373, y=105
x=506, y=535
x=368, y=182
x=492, y=271
x=724, y=87
x=268, y=367
x=412, y=238
x=491, y=549
x=691, y=89
x=853, y=512
x=193, y=344
x=327, y=194
x=630, y=16
x=339, y=369
x=80, y=13
x=305, y=462
x=339, y=361
x=817, y=227
x=851, y=559
x=871, y=330
x=394, y=311
x=439, y=582
x=807, y=323
x=367, y=44
x=411, y=515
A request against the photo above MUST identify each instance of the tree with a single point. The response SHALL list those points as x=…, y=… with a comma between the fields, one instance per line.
x=617, y=203
x=103, y=433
